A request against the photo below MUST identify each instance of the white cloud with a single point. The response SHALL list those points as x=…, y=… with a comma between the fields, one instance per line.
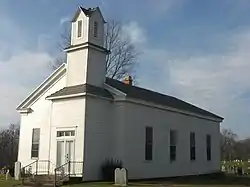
x=215, y=82
x=21, y=69
x=163, y=6
x=19, y=75
x=64, y=20
x=135, y=33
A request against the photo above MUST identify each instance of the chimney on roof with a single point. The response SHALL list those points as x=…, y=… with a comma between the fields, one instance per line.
x=128, y=80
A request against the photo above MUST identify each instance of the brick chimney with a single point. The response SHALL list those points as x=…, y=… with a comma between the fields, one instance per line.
x=128, y=80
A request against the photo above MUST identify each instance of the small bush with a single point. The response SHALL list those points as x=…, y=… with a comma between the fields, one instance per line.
x=108, y=168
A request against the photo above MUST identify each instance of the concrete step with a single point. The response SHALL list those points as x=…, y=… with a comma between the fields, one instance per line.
x=38, y=181
x=41, y=180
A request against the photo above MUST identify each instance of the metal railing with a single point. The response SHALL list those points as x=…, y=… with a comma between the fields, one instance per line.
x=28, y=170
x=42, y=167
x=67, y=170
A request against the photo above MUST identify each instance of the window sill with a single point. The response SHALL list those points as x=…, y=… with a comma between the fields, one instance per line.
x=34, y=158
x=148, y=161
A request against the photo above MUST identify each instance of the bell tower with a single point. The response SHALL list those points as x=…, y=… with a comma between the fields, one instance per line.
x=86, y=56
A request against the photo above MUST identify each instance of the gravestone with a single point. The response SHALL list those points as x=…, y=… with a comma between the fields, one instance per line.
x=124, y=177
x=223, y=169
x=17, y=170
x=7, y=174
x=117, y=176
x=121, y=177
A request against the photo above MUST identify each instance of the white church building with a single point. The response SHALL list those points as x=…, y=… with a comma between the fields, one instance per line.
x=79, y=115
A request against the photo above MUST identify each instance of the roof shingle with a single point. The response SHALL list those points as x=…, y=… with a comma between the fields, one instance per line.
x=157, y=98
x=134, y=92
x=82, y=88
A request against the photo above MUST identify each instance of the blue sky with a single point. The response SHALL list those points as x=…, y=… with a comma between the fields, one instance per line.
x=194, y=50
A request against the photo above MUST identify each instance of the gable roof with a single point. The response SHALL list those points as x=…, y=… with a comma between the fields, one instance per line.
x=157, y=98
x=82, y=88
x=54, y=77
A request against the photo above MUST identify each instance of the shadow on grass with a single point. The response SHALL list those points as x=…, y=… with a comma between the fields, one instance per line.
x=211, y=179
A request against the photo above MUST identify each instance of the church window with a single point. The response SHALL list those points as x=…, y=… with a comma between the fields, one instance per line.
x=65, y=133
x=173, y=143
x=35, y=143
x=208, y=142
x=149, y=143
x=192, y=146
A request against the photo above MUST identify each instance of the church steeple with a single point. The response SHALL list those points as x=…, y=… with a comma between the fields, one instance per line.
x=88, y=26
x=86, y=57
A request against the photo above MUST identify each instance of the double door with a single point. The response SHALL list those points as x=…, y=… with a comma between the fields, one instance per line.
x=65, y=153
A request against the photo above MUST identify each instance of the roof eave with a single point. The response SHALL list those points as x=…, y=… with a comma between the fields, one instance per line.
x=76, y=95
x=25, y=110
x=65, y=96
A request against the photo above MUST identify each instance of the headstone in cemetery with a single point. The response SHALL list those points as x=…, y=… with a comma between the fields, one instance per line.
x=223, y=169
x=7, y=174
x=17, y=170
x=124, y=177
x=121, y=177
x=117, y=176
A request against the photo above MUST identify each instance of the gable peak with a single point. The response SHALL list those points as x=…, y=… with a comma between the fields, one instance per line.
x=88, y=12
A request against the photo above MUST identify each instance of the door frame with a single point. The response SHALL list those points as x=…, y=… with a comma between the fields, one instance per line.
x=64, y=140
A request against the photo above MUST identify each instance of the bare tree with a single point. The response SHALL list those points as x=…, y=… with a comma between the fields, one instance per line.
x=9, y=139
x=228, y=144
x=123, y=56
x=122, y=59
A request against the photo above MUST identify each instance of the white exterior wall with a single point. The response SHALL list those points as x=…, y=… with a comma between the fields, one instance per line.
x=90, y=69
x=39, y=118
x=68, y=114
x=96, y=68
x=98, y=136
x=96, y=16
x=77, y=67
x=132, y=143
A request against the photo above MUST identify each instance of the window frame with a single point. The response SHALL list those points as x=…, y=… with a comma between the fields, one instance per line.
x=72, y=133
x=192, y=146
x=81, y=30
x=149, y=139
x=173, y=145
x=37, y=143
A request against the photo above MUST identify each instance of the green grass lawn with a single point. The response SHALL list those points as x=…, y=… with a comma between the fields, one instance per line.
x=9, y=183
x=150, y=185
x=200, y=181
